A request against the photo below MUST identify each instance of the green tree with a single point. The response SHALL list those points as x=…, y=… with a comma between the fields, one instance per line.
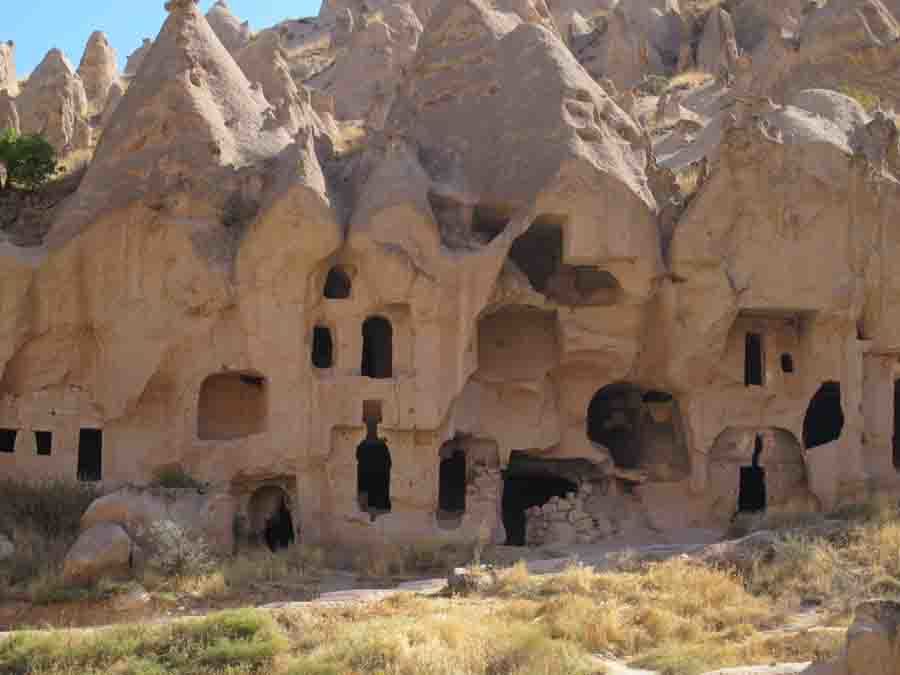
x=30, y=160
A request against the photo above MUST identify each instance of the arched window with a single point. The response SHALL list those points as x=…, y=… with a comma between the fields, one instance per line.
x=377, y=355
x=824, y=419
x=338, y=284
x=373, y=476
x=232, y=405
x=322, y=348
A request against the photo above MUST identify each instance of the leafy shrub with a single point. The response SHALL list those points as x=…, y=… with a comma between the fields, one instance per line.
x=177, y=552
x=30, y=160
x=175, y=477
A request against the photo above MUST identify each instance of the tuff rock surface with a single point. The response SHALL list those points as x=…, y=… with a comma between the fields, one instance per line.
x=458, y=268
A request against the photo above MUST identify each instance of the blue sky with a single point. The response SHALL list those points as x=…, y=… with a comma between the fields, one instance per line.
x=36, y=26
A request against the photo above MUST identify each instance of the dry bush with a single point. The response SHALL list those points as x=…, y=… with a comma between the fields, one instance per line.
x=689, y=79
x=43, y=520
x=423, y=557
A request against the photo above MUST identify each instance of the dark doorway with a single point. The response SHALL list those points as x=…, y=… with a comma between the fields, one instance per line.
x=752, y=491
x=90, y=455
x=337, y=284
x=538, y=253
x=271, y=519
x=613, y=420
x=824, y=419
x=322, y=348
x=43, y=440
x=373, y=476
x=787, y=363
x=527, y=484
x=8, y=440
x=452, y=482
x=279, y=529
x=754, y=367
x=896, y=424
x=377, y=356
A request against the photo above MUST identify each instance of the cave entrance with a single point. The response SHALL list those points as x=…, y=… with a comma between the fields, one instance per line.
x=452, y=482
x=896, y=438
x=373, y=476
x=528, y=482
x=752, y=488
x=538, y=252
x=377, y=356
x=90, y=455
x=270, y=516
x=824, y=420
x=613, y=420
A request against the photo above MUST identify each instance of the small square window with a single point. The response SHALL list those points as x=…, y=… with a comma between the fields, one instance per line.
x=8, y=440
x=44, y=442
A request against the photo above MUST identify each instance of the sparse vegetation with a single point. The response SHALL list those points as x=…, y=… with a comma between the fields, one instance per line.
x=679, y=616
x=30, y=160
x=865, y=98
x=690, y=79
x=241, y=641
x=42, y=519
x=653, y=85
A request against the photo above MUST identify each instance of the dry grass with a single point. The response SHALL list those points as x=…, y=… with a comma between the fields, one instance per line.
x=678, y=616
x=690, y=79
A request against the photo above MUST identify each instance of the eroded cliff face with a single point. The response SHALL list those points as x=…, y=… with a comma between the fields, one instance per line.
x=496, y=306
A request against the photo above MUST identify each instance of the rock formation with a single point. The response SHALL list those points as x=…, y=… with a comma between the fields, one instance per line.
x=98, y=70
x=410, y=270
x=873, y=643
x=363, y=80
x=718, y=47
x=233, y=33
x=8, y=79
x=136, y=58
x=53, y=102
x=9, y=114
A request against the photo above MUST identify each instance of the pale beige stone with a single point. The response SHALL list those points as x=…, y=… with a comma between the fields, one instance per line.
x=233, y=33
x=104, y=550
x=8, y=78
x=98, y=70
x=53, y=103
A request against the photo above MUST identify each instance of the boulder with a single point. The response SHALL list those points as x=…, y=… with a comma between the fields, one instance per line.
x=207, y=515
x=7, y=548
x=469, y=580
x=98, y=70
x=104, y=550
x=873, y=643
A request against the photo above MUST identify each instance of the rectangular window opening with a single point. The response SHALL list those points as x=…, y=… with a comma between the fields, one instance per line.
x=8, y=440
x=90, y=455
x=43, y=440
x=754, y=362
